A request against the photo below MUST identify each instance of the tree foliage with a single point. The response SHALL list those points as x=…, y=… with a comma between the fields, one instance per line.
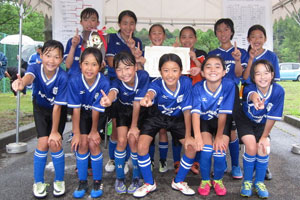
x=33, y=24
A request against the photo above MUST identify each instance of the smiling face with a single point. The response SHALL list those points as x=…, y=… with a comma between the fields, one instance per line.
x=157, y=36
x=126, y=73
x=90, y=68
x=223, y=33
x=188, y=38
x=213, y=70
x=257, y=40
x=89, y=23
x=170, y=73
x=263, y=77
x=127, y=26
x=51, y=59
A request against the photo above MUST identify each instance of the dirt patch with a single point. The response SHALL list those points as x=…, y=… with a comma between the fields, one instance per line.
x=8, y=120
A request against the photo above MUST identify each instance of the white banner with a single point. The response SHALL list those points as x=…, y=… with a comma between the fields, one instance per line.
x=153, y=54
x=66, y=17
x=244, y=14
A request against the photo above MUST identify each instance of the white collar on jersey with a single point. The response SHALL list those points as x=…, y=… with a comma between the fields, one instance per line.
x=44, y=77
x=268, y=94
x=214, y=94
x=174, y=94
x=136, y=82
x=94, y=84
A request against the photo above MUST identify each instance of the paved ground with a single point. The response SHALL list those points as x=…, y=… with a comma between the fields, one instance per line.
x=16, y=173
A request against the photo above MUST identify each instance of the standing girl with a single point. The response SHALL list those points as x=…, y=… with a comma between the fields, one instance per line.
x=84, y=97
x=262, y=105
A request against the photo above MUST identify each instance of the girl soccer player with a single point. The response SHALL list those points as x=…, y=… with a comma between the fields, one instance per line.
x=49, y=100
x=130, y=87
x=119, y=42
x=262, y=105
x=213, y=101
x=171, y=111
x=84, y=97
x=235, y=60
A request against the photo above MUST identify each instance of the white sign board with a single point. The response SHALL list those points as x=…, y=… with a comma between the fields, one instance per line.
x=66, y=17
x=153, y=54
x=244, y=14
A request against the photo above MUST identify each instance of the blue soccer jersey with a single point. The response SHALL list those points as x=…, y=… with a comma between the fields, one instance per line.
x=81, y=95
x=127, y=94
x=230, y=62
x=115, y=45
x=274, y=101
x=210, y=104
x=48, y=92
x=34, y=59
x=273, y=59
x=172, y=103
x=75, y=67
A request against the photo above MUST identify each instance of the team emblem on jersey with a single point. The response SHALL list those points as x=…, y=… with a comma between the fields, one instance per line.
x=180, y=98
x=269, y=107
x=220, y=100
x=54, y=91
x=164, y=97
x=96, y=95
x=204, y=99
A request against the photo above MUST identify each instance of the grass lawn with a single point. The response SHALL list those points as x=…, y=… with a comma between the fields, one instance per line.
x=292, y=97
x=8, y=108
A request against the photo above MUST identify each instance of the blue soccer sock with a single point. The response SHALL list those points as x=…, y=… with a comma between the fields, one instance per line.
x=39, y=163
x=185, y=166
x=234, y=148
x=163, y=150
x=261, y=166
x=111, y=149
x=135, y=171
x=176, y=151
x=205, y=161
x=145, y=167
x=152, y=151
x=120, y=157
x=248, y=165
x=219, y=164
x=82, y=165
x=58, y=159
x=197, y=157
x=128, y=151
x=97, y=164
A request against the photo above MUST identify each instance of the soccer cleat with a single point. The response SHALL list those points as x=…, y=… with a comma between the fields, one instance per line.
x=182, y=187
x=163, y=166
x=120, y=186
x=261, y=190
x=40, y=189
x=110, y=166
x=59, y=188
x=126, y=167
x=144, y=190
x=219, y=187
x=81, y=190
x=136, y=183
x=268, y=174
x=204, y=188
x=246, y=189
x=195, y=168
x=236, y=172
x=97, y=190
x=176, y=166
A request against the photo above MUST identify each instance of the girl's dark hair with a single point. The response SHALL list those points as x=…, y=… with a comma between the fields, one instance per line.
x=86, y=13
x=125, y=57
x=53, y=44
x=266, y=63
x=188, y=28
x=169, y=57
x=227, y=22
x=95, y=52
x=216, y=57
x=254, y=28
x=126, y=13
x=159, y=25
